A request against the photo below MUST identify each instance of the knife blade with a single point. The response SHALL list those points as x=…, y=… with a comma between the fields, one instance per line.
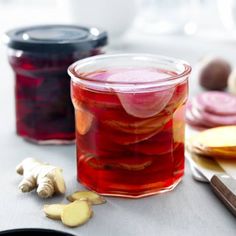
x=223, y=185
x=228, y=165
x=197, y=175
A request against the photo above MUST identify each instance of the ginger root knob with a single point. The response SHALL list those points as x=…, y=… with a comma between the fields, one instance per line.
x=46, y=178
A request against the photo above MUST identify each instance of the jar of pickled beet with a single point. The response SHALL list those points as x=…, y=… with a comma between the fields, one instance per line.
x=129, y=111
x=40, y=56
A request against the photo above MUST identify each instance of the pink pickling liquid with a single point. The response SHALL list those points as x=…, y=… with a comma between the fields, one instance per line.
x=130, y=142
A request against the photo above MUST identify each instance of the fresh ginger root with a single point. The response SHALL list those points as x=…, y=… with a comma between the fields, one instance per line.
x=46, y=178
x=92, y=197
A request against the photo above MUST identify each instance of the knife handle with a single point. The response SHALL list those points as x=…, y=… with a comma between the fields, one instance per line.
x=225, y=188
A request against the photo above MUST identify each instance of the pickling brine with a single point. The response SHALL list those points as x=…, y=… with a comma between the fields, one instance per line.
x=130, y=138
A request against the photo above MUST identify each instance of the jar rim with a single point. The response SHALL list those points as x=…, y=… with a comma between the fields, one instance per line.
x=172, y=79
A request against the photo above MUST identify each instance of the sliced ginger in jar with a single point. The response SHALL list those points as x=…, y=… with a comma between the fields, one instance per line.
x=83, y=118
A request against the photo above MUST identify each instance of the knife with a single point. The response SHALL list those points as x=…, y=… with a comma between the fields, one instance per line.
x=228, y=165
x=223, y=185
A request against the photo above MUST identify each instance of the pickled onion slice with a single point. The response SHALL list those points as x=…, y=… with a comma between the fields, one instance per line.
x=142, y=104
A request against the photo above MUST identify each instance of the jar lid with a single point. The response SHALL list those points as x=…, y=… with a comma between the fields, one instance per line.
x=55, y=38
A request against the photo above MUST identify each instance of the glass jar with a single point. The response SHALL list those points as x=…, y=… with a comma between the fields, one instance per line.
x=129, y=111
x=40, y=56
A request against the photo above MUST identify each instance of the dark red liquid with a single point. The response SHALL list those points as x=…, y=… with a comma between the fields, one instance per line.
x=44, y=110
x=124, y=147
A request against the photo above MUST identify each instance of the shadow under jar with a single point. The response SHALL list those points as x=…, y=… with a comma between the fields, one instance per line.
x=129, y=111
x=40, y=56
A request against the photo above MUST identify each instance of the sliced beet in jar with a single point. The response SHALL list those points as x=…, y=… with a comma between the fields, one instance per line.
x=40, y=56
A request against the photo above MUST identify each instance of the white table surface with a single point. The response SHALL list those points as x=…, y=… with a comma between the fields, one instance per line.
x=191, y=209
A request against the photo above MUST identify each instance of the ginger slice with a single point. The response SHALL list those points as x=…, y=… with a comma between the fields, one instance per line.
x=134, y=167
x=90, y=196
x=76, y=213
x=220, y=137
x=215, y=142
x=54, y=211
x=84, y=119
x=139, y=127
